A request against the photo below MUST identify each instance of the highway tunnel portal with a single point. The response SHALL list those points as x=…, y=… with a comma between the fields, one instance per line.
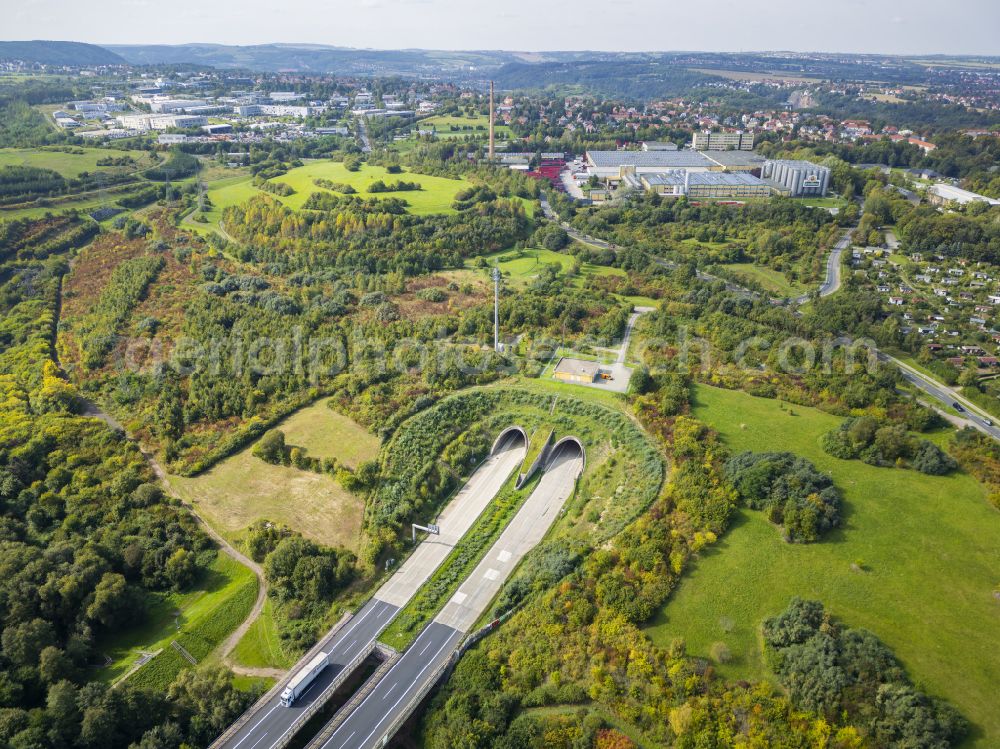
x=509, y=437
x=567, y=448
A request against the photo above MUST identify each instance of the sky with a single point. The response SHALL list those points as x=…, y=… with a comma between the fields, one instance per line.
x=885, y=26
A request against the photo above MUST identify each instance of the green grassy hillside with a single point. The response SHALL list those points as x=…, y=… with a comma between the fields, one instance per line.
x=917, y=562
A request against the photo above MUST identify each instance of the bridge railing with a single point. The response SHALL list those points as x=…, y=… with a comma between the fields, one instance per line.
x=437, y=674
x=317, y=704
x=274, y=691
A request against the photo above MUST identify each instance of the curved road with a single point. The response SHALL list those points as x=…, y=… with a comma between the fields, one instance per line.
x=945, y=395
x=834, y=263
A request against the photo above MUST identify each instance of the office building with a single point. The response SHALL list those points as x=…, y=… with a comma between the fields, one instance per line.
x=709, y=141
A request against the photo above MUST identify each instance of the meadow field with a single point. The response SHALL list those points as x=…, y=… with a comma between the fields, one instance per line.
x=916, y=562
x=476, y=125
x=199, y=619
x=437, y=195
x=521, y=267
x=773, y=281
x=71, y=164
x=243, y=488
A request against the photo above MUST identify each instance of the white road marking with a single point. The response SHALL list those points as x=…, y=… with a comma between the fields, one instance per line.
x=459, y=598
x=389, y=690
x=250, y=732
x=491, y=574
x=348, y=739
x=503, y=556
x=259, y=740
x=416, y=680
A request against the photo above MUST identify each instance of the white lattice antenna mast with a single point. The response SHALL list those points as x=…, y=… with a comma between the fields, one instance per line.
x=496, y=308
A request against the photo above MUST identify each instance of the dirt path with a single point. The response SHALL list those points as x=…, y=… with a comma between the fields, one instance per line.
x=93, y=410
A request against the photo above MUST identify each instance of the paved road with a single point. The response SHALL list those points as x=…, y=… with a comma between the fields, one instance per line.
x=940, y=392
x=366, y=143
x=833, y=269
x=525, y=531
x=393, y=696
x=454, y=522
x=271, y=721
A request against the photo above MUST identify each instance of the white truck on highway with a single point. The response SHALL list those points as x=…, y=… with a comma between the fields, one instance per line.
x=304, y=678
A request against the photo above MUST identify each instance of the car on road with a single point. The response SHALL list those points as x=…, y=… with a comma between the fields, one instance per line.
x=957, y=406
x=988, y=422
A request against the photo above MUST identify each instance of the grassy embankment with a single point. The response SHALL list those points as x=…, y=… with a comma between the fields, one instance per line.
x=198, y=619
x=916, y=563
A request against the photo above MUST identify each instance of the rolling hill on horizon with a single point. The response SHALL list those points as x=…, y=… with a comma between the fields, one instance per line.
x=51, y=52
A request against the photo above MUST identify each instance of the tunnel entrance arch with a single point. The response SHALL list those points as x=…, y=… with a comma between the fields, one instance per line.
x=563, y=448
x=508, y=436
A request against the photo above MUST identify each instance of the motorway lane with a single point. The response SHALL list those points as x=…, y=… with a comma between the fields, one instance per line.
x=372, y=718
x=523, y=533
x=369, y=722
x=454, y=522
x=271, y=720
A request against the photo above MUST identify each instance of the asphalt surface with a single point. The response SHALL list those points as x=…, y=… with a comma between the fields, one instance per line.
x=971, y=413
x=370, y=721
x=271, y=720
x=454, y=522
x=833, y=269
x=523, y=533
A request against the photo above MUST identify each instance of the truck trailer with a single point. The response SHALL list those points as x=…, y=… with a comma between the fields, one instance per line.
x=304, y=678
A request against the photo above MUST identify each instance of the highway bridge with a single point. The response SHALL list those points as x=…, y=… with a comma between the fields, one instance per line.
x=376, y=718
x=269, y=724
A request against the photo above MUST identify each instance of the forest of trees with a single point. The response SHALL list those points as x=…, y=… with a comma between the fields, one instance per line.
x=86, y=537
x=833, y=670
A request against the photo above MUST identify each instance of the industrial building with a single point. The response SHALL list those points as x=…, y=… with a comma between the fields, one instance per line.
x=796, y=178
x=943, y=195
x=144, y=122
x=577, y=370
x=709, y=141
x=611, y=166
x=718, y=185
x=735, y=161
